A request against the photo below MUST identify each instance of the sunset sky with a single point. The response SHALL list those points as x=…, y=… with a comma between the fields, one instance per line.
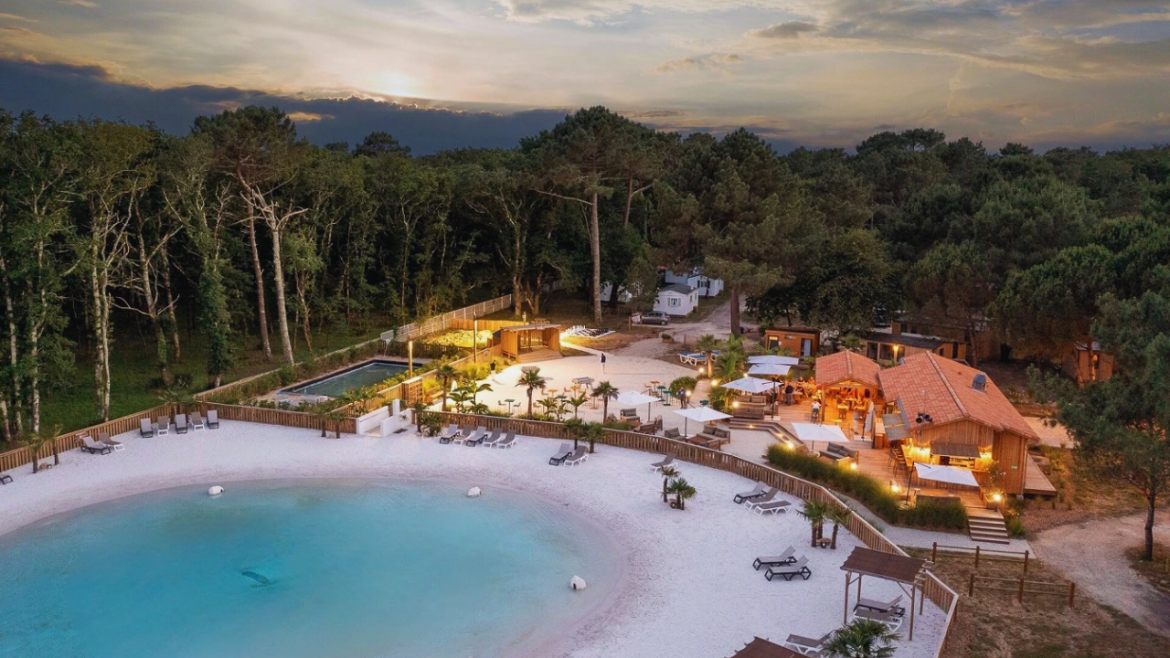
x=812, y=72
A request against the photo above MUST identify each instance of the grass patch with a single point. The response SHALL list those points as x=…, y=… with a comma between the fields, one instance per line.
x=992, y=625
x=1156, y=571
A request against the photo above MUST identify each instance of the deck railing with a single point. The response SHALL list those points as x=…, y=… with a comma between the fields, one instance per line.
x=932, y=588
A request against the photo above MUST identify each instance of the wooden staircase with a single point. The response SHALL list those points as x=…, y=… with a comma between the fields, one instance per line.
x=769, y=426
x=986, y=526
x=545, y=354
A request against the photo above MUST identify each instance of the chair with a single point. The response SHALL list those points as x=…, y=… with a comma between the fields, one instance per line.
x=105, y=438
x=163, y=426
x=213, y=420
x=452, y=430
x=760, y=490
x=463, y=435
x=563, y=453
x=491, y=439
x=197, y=421
x=767, y=497
x=807, y=646
x=5, y=479
x=579, y=456
x=181, y=424
x=629, y=415
x=789, y=571
x=508, y=441
x=667, y=460
x=891, y=619
x=92, y=447
x=771, y=507
x=476, y=438
x=672, y=433
x=787, y=557
x=145, y=429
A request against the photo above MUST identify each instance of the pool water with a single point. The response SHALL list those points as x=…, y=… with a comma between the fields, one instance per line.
x=359, y=569
x=364, y=375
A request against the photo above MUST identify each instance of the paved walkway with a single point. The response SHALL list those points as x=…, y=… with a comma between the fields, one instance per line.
x=1092, y=555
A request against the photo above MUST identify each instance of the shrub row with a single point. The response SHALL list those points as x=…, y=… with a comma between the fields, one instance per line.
x=868, y=491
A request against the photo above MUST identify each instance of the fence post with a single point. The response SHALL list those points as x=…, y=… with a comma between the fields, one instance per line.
x=934, y=552
x=971, y=587
x=1025, y=563
x=976, y=556
x=1072, y=592
x=1020, y=598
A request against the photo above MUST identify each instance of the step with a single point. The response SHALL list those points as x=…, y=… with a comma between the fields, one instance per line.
x=989, y=539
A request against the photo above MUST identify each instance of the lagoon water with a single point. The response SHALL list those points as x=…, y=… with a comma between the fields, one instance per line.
x=300, y=569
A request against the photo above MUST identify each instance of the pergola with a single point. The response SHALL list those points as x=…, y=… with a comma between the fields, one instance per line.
x=527, y=338
x=887, y=566
x=760, y=648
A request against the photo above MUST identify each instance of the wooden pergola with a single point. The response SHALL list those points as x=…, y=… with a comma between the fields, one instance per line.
x=528, y=338
x=760, y=648
x=905, y=571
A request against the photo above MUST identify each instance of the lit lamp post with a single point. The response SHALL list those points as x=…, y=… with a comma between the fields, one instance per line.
x=410, y=358
x=895, y=355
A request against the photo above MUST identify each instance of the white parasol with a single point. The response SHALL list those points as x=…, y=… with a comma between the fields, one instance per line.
x=750, y=385
x=774, y=360
x=634, y=398
x=769, y=370
x=948, y=474
x=700, y=415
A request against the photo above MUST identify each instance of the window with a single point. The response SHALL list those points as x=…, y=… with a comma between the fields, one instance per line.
x=672, y=301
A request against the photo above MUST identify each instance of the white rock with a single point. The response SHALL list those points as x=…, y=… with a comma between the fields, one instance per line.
x=215, y=491
x=577, y=583
x=474, y=492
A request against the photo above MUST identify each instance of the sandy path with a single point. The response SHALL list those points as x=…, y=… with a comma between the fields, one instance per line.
x=1092, y=555
x=718, y=322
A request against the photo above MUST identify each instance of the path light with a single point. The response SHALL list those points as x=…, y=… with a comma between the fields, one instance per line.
x=894, y=486
x=853, y=466
x=996, y=497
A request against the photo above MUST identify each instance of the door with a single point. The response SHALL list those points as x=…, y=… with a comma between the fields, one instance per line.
x=806, y=347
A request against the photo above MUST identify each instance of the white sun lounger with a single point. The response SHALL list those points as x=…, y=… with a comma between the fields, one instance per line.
x=197, y=421
x=807, y=646
x=145, y=429
x=163, y=426
x=771, y=507
x=495, y=436
x=758, y=492
x=579, y=456
x=213, y=420
x=667, y=460
x=452, y=430
x=181, y=424
x=475, y=438
x=105, y=438
x=767, y=497
x=508, y=441
x=93, y=447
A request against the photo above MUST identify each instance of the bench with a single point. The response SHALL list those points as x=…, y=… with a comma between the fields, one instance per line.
x=711, y=437
x=750, y=410
x=837, y=453
x=629, y=415
x=672, y=433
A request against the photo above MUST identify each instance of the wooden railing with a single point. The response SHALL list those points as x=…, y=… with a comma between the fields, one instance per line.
x=933, y=588
x=281, y=417
x=71, y=440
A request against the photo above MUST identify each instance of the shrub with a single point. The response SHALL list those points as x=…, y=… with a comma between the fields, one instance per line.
x=286, y=375
x=855, y=484
x=949, y=515
x=682, y=384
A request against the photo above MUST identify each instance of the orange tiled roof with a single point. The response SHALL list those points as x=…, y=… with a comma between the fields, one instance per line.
x=847, y=366
x=929, y=383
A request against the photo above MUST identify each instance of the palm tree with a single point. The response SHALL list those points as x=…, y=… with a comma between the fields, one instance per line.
x=682, y=492
x=606, y=392
x=729, y=365
x=476, y=389
x=446, y=373
x=707, y=344
x=863, y=638
x=838, y=515
x=667, y=473
x=533, y=381
x=576, y=401
x=322, y=411
x=594, y=432
x=461, y=396
x=36, y=442
x=815, y=511
x=576, y=429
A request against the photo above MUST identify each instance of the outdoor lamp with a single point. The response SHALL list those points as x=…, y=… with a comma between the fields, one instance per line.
x=996, y=497
x=853, y=466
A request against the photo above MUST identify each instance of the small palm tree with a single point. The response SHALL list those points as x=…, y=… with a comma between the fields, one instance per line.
x=446, y=373
x=682, y=492
x=532, y=380
x=667, y=473
x=838, y=515
x=476, y=389
x=549, y=405
x=730, y=365
x=863, y=638
x=576, y=401
x=576, y=429
x=461, y=396
x=815, y=511
x=707, y=344
x=36, y=442
x=594, y=432
x=322, y=411
x=606, y=392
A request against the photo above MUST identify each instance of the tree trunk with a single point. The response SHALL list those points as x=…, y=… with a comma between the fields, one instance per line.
x=176, y=353
x=1152, y=498
x=595, y=248
x=13, y=359
x=833, y=543
x=5, y=424
x=261, y=310
x=150, y=298
x=629, y=199
x=281, y=309
x=733, y=293
x=665, y=481
x=529, y=403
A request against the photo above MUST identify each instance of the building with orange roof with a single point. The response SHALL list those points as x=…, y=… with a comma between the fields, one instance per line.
x=955, y=415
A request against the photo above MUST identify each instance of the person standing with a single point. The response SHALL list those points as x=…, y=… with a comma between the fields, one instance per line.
x=603, y=363
x=788, y=394
x=816, y=411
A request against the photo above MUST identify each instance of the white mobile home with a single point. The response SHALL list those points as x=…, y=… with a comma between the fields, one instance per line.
x=677, y=299
x=706, y=286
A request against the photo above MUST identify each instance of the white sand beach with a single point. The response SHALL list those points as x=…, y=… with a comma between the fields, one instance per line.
x=688, y=584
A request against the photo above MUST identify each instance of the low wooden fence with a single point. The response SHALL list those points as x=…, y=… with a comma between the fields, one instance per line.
x=442, y=322
x=488, y=325
x=1021, y=588
x=933, y=588
x=71, y=440
x=980, y=554
x=281, y=417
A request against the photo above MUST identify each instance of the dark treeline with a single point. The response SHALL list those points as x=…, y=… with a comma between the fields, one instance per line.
x=262, y=238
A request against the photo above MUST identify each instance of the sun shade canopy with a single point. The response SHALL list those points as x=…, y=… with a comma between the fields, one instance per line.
x=759, y=648
x=889, y=566
x=964, y=450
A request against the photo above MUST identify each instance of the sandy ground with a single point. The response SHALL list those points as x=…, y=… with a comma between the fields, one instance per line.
x=1092, y=555
x=687, y=577
x=1053, y=436
x=718, y=322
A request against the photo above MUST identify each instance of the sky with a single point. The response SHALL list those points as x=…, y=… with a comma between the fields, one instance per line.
x=452, y=73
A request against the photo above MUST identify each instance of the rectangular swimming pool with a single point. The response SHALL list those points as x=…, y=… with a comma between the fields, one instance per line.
x=361, y=375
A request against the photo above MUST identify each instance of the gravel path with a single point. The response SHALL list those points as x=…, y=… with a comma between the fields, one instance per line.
x=718, y=322
x=1092, y=555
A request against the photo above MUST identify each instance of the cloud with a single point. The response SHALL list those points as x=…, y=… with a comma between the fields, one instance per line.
x=14, y=17
x=19, y=31
x=85, y=4
x=308, y=117
x=710, y=61
x=789, y=30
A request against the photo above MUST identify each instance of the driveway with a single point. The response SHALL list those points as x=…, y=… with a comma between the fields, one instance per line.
x=717, y=322
x=1092, y=555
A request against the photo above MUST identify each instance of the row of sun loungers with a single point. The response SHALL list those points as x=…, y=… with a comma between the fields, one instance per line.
x=786, y=565
x=478, y=436
x=886, y=612
x=567, y=455
x=183, y=424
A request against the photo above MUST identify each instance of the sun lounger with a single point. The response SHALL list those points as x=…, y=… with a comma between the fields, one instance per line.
x=452, y=430
x=213, y=420
x=766, y=498
x=508, y=441
x=667, y=460
x=145, y=429
x=459, y=435
x=495, y=436
x=181, y=424
x=563, y=453
x=891, y=619
x=578, y=457
x=197, y=421
x=806, y=645
x=882, y=606
x=790, y=571
x=771, y=507
x=691, y=359
x=758, y=492
x=477, y=438
x=163, y=426
x=787, y=557
x=105, y=438
x=92, y=447
x=5, y=479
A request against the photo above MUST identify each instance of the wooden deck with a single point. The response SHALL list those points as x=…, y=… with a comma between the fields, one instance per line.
x=1035, y=482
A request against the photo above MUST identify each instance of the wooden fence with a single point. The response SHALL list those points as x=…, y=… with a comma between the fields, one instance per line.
x=281, y=417
x=71, y=440
x=487, y=325
x=932, y=588
x=1021, y=587
x=442, y=322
